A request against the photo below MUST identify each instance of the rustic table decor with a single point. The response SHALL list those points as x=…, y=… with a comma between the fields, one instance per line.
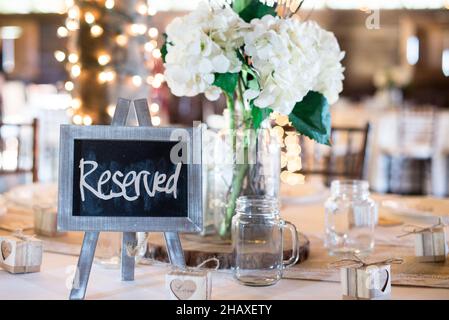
x=365, y=280
x=169, y=203
x=191, y=283
x=430, y=242
x=20, y=253
x=198, y=249
x=409, y=273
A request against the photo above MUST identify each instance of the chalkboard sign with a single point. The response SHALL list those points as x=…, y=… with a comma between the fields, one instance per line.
x=130, y=179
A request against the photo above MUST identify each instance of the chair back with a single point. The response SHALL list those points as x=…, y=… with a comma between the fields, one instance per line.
x=19, y=149
x=417, y=127
x=345, y=159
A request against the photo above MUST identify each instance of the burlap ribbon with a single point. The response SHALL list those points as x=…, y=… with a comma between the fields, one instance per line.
x=412, y=229
x=357, y=262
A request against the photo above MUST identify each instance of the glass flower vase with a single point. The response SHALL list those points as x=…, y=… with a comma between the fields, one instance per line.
x=245, y=163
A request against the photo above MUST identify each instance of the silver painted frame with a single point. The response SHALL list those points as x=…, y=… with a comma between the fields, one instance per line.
x=67, y=222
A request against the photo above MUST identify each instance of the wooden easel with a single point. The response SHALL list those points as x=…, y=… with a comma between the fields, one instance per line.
x=87, y=253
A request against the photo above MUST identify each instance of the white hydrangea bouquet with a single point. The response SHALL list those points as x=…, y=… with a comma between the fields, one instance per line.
x=263, y=61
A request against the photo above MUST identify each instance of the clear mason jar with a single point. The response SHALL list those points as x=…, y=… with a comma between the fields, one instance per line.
x=258, y=241
x=350, y=218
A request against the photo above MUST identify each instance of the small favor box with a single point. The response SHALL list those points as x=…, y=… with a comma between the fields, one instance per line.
x=188, y=284
x=366, y=282
x=46, y=221
x=431, y=246
x=20, y=254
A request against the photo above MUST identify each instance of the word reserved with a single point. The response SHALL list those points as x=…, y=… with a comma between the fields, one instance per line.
x=250, y=309
x=129, y=183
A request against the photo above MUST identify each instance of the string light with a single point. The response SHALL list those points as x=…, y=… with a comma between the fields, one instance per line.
x=156, y=84
x=106, y=76
x=154, y=107
x=153, y=33
x=73, y=13
x=137, y=80
x=77, y=119
x=159, y=77
x=111, y=110
x=282, y=120
x=69, y=86
x=291, y=154
x=59, y=55
x=96, y=31
x=72, y=25
x=75, y=70
x=104, y=59
x=89, y=17
x=109, y=4
x=156, y=121
x=73, y=58
x=121, y=40
x=138, y=29
x=142, y=9
x=62, y=32
x=157, y=54
x=92, y=17
x=87, y=120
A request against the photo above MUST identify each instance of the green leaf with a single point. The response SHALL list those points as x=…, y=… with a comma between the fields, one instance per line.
x=311, y=117
x=251, y=9
x=227, y=82
x=250, y=77
x=259, y=115
x=164, y=48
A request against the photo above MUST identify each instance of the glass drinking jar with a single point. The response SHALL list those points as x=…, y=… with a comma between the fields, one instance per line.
x=257, y=239
x=350, y=218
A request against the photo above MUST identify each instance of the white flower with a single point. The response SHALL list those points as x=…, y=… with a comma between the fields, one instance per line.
x=201, y=44
x=291, y=59
x=330, y=78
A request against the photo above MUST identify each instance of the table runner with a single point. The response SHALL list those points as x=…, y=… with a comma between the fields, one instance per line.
x=410, y=273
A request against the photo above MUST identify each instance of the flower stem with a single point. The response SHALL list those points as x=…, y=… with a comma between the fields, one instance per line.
x=240, y=169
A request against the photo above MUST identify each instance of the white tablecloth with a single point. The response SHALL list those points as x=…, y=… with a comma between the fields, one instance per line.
x=50, y=283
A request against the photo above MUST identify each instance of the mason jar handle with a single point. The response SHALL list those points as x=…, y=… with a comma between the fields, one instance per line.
x=295, y=246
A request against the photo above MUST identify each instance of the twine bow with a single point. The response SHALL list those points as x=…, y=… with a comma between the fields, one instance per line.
x=412, y=229
x=357, y=262
x=132, y=250
x=202, y=264
x=21, y=236
x=199, y=267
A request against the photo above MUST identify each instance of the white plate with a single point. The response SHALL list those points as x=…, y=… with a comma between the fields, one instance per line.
x=419, y=207
x=30, y=195
x=303, y=194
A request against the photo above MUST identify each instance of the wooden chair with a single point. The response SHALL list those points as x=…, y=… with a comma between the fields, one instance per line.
x=410, y=162
x=345, y=159
x=17, y=132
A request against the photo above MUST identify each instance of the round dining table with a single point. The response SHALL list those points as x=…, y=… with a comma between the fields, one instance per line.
x=57, y=270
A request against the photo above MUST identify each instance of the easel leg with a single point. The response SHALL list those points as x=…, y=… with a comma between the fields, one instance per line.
x=85, y=260
x=174, y=249
x=128, y=263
